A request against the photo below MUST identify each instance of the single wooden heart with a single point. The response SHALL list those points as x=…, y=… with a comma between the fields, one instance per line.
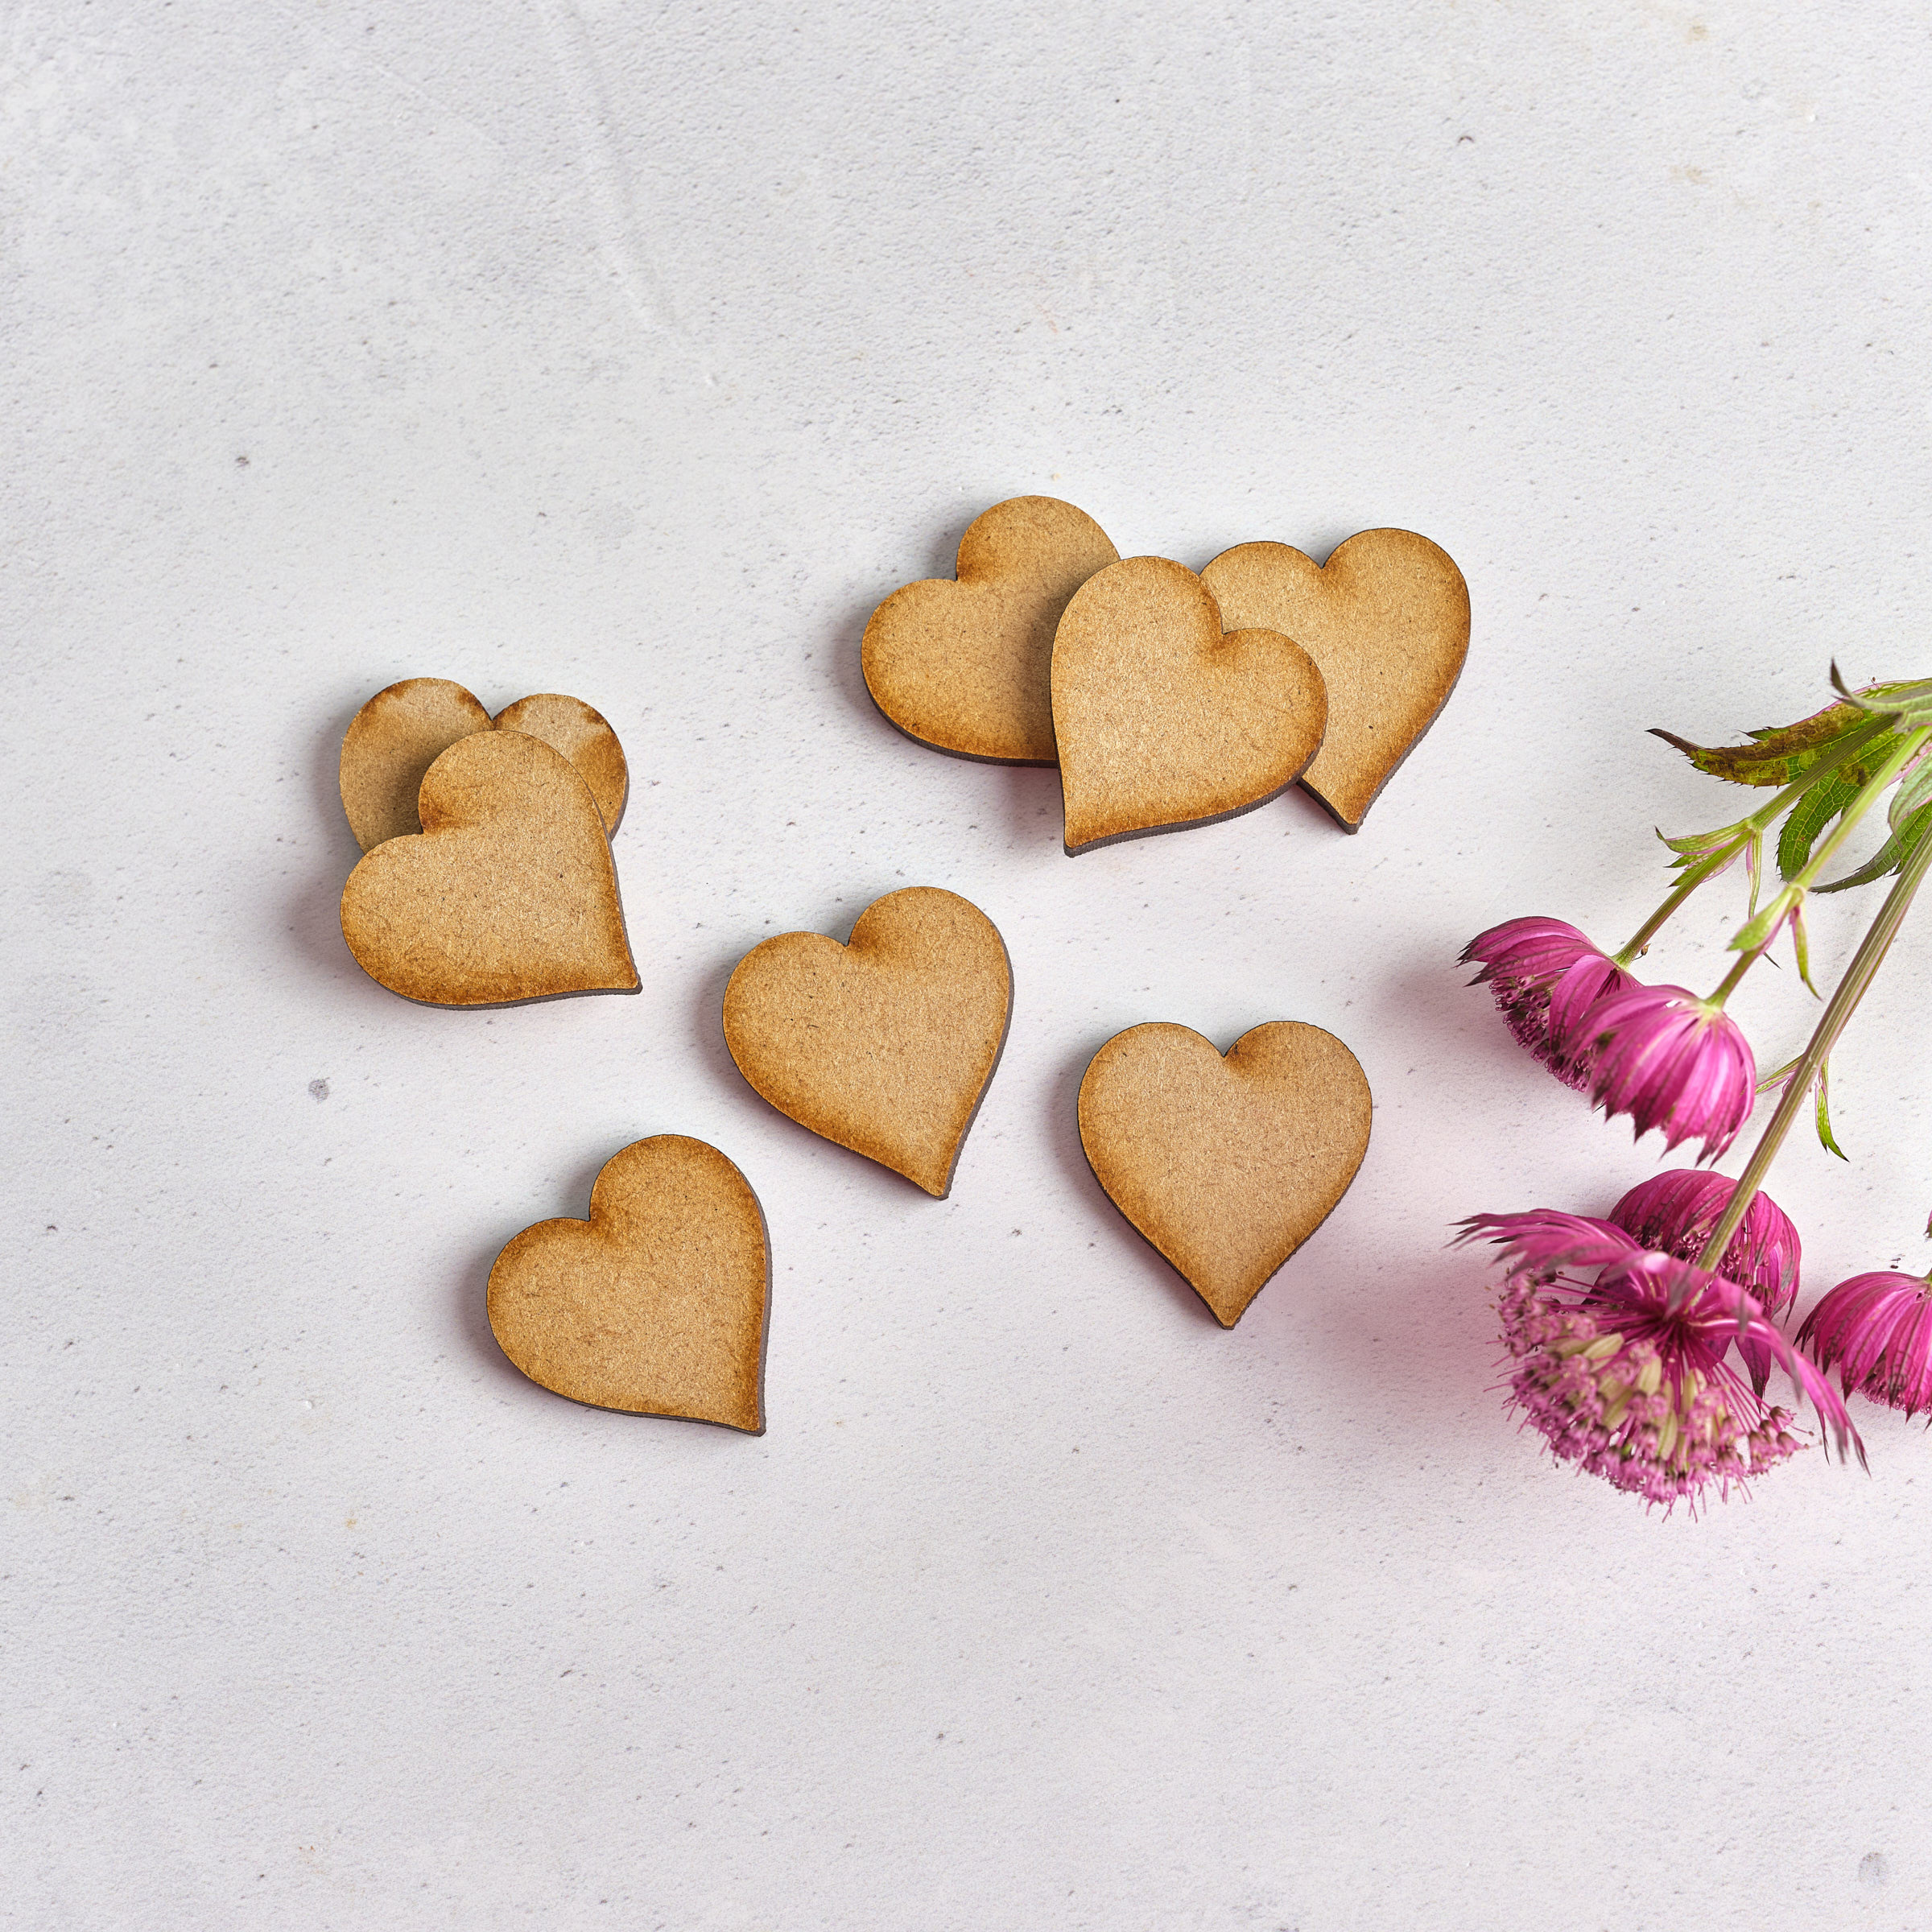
x=1162, y=720
x=657, y=1304
x=1226, y=1166
x=1387, y=619
x=963, y=666
x=400, y=733
x=886, y=1044
x=507, y=894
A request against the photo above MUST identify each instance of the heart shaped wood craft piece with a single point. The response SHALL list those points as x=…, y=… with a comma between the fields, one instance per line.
x=1226, y=1166
x=1387, y=619
x=657, y=1304
x=1162, y=720
x=963, y=666
x=401, y=732
x=886, y=1044
x=508, y=892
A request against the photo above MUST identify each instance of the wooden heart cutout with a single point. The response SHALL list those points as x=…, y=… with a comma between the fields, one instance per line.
x=886, y=1044
x=657, y=1304
x=507, y=894
x=963, y=666
x=1226, y=1166
x=1387, y=619
x=400, y=733
x=1162, y=720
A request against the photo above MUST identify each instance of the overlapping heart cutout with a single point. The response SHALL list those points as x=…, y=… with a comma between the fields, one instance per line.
x=1047, y=649
x=508, y=894
x=1165, y=720
x=392, y=741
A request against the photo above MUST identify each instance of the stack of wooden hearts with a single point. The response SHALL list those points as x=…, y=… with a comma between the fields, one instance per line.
x=488, y=878
x=1169, y=699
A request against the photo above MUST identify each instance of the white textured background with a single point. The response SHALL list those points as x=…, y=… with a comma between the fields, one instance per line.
x=637, y=351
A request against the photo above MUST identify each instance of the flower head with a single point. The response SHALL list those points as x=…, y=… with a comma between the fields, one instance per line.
x=1671, y=1060
x=1678, y=1213
x=1616, y=1356
x=1878, y=1329
x=1545, y=975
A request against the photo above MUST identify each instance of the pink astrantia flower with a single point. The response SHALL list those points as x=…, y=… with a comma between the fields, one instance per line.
x=1878, y=1329
x=1671, y=1060
x=1676, y=1213
x=1545, y=975
x=1616, y=1355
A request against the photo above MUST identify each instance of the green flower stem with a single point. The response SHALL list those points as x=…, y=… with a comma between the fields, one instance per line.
x=1847, y=748
x=1688, y=884
x=1844, y=1000
x=1737, y=972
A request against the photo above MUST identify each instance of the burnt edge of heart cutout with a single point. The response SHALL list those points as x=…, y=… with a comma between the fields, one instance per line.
x=999, y=1052
x=949, y=751
x=764, y=1325
x=1213, y=818
x=1414, y=744
x=1147, y=1240
x=535, y=999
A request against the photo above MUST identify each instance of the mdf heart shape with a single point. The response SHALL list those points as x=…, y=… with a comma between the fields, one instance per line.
x=1226, y=1166
x=963, y=666
x=507, y=894
x=401, y=732
x=885, y=1044
x=1387, y=619
x=1164, y=721
x=657, y=1304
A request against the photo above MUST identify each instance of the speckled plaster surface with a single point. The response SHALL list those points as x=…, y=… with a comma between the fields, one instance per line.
x=636, y=352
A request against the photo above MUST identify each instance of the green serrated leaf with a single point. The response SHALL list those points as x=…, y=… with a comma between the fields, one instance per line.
x=1778, y=752
x=1809, y=817
x=1890, y=856
x=1824, y=1112
x=1780, y=755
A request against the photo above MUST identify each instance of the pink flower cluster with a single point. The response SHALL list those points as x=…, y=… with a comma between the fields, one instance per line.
x=1617, y=1352
x=1658, y=1054
x=1618, y=1344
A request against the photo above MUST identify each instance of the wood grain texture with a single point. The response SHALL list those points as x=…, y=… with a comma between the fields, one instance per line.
x=658, y=1304
x=886, y=1044
x=402, y=730
x=1162, y=719
x=584, y=735
x=963, y=666
x=507, y=894
x=1386, y=619
x=1226, y=1166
